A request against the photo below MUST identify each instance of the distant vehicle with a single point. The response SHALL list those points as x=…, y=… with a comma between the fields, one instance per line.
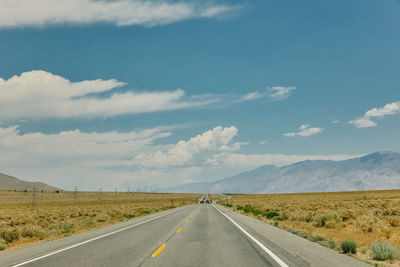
x=202, y=201
x=208, y=201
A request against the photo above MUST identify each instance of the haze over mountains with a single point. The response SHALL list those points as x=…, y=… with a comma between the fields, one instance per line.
x=380, y=170
x=12, y=183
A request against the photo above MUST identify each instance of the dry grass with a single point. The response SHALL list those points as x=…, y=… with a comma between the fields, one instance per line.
x=60, y=214
x=330, y=218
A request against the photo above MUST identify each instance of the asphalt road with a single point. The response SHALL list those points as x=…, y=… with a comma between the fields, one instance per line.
x=195, y=235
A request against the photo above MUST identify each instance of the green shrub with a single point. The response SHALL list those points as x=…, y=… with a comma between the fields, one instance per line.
x=239, y=207
x=332, y=244
x=382, y=250
x=271, y=214
x=2, y=246
x=278, y=218
x=276, y=224
x=248, y=208
x=349, y=246
x=317, y=238
x=10, y=235
x=129, y=216
x=67, y=228
x=228, y=205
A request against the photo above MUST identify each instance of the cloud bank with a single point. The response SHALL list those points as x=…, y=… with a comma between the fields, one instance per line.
x=42, y=13
x=305, y=130
x=40, y=94
x=119, y=159
x=366, y=120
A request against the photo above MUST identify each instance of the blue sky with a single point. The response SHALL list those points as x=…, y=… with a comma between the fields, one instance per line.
x=157, y=93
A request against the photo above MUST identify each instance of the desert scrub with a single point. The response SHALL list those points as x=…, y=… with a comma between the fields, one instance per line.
x=332, y=244
x=2, y=246
x=384, y=250
x=349, y=246
x=102, y=217
x=327, y=220
x=271, y=214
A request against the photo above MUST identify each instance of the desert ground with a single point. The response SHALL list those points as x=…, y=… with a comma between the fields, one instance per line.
x=26, y=218
x=366, y=217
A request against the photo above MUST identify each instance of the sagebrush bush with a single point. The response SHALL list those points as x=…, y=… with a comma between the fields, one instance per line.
x=239, y=207
x=349, y=246
x=271, y=214
x=10, y=235
x=102, y=217
x=328, y=220
x=2, y=246
x=383, y=250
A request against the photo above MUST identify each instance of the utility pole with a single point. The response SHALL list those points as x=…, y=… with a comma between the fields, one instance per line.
x=75, y=194
x=100, y=193
x=116, y=190
x=34, y=197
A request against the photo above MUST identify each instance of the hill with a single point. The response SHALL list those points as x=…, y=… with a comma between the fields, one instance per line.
x=12, y=183
x=380, y=170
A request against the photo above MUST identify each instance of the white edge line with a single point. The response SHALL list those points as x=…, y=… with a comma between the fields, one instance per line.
x=90, y=240
x=261, y=245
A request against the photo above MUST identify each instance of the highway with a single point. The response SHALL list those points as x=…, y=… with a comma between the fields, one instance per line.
x=194, y=235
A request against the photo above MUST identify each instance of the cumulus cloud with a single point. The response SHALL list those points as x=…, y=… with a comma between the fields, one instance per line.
x=304, y=131
x=119, y=159
x=40, y=94
x=194, y=150
x=274, y=92
x=366, y=120
x=42, y=13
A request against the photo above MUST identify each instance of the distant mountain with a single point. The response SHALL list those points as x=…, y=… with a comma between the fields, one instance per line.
x=12, y=183
x=380, y=170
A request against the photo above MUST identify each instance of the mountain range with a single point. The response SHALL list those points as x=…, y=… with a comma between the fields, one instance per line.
x=380, y=170
x=12, y=183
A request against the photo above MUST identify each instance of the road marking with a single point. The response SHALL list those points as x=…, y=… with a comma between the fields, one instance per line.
x=158, y=251
x=90, y=240
x=186, y=221
x=261, y=245
x=180, y=229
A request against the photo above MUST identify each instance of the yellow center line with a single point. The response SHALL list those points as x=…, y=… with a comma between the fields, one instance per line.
x=158, y=251
x=186, y=221
x=180, y=229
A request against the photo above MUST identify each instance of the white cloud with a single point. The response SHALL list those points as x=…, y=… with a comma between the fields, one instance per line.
x=366, y=121
x=42, y=13
x=363, y=122
x=305, y=130
x=274, y=92
x=116, y=159
x=280, y=92
x=194, y=151
x=335, y=121
x=263, y=142
x=40, y=94
x=251, y=96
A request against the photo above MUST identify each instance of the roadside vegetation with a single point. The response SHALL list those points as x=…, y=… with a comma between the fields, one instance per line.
x=365, y=224
x=26, y=218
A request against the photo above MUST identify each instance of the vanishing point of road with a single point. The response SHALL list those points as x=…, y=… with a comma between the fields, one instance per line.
x=194, y=235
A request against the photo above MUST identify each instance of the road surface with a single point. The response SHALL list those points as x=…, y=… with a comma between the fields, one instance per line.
x=195, y=235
